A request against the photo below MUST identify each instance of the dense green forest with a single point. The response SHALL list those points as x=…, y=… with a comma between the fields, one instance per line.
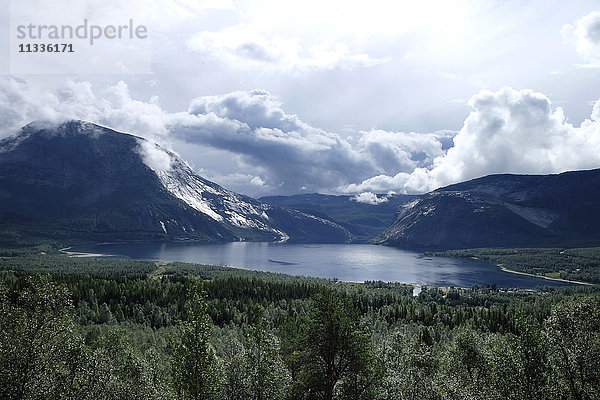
x=581, y=264
x=101, y=328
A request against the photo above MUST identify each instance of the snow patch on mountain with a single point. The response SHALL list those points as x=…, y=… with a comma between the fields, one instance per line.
x=410, y=204
x=218, y=203
x=190, y=193
x=210, y=199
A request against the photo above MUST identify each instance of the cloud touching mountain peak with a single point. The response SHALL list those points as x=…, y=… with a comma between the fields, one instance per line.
x=506, y=131
x=81, y=180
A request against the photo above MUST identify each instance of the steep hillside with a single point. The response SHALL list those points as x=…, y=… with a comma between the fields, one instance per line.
x=502, y=211
x=365, y=221
x=80, y=180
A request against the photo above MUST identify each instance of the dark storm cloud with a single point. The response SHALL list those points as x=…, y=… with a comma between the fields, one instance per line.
x=294, y=154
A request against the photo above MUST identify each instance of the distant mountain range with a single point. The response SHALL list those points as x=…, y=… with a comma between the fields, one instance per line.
x=80, y=180
x=365, y=221
x=502, y=211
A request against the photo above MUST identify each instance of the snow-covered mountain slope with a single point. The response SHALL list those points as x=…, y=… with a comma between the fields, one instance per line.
x=83, y=180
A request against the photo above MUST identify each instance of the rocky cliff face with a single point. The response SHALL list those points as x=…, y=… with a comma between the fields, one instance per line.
x=502, y=211
x=82, y=180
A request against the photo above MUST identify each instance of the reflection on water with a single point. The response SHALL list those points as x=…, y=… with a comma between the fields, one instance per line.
x=347, y=262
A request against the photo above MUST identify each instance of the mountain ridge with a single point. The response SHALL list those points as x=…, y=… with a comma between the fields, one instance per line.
x=363, y=220
x=504, y=210
x=78, y=179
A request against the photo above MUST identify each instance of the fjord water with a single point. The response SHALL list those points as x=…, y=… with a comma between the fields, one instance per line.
x=347, y=262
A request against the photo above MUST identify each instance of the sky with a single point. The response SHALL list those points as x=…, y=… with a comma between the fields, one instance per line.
x=339, y=97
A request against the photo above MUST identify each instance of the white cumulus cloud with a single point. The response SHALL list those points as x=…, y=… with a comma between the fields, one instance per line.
x=586, y=37
x=156, y=158
x=596, y=112
x=507, y=131
x=399, y=151
x=21, y=103
x=369, y=198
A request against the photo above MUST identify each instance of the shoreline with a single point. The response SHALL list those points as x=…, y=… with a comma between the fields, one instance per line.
x=503, y=268
x=77, y=254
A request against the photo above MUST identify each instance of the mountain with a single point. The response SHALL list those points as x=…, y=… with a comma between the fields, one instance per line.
x=364, y=220
x=502, y=211
x=80, y=180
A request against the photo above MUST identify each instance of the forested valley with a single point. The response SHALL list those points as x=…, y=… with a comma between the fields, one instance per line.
x=101, y=328
x=576, y=264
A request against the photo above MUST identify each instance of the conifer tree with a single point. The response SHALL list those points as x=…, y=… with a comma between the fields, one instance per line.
x=194, y=365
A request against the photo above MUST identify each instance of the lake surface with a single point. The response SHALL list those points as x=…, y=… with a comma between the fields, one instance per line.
x=347, y=262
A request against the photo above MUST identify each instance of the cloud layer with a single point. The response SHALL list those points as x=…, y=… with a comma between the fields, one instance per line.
x=273, y=152
x=242, y=47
